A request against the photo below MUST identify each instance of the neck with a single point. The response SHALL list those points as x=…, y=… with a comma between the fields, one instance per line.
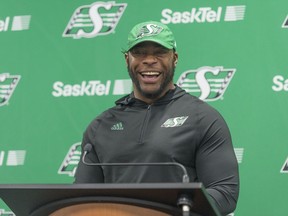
x=152, y=100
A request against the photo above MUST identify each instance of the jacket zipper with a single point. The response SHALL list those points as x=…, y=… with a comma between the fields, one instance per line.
x=145, y=123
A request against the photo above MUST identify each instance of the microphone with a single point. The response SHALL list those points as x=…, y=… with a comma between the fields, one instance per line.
x=88, y=148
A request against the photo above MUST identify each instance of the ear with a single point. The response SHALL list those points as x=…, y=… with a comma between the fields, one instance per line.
x=126, y=57
x=175, y=58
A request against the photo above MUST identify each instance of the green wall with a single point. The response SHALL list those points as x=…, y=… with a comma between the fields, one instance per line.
x=55, y=80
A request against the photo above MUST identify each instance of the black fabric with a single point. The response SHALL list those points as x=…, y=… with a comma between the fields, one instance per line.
x=177, y=128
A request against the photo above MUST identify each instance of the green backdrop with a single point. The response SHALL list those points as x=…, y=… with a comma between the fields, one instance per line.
x=61, y=65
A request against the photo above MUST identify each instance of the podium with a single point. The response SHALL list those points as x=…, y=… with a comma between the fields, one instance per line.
x=149, y=199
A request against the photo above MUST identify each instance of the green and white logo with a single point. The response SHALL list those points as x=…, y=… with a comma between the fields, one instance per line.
x=70, y=162
x=92, y=88
x=174, y=122
x=207, y=83
x=149, y=30
x=8, y=84
x=99, y=18
x=204, y=15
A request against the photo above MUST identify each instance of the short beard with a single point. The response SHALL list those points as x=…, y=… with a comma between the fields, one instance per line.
x=156, y=94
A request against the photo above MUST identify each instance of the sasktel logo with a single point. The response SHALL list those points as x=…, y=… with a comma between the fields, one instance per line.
x=204, y=14
x=99, y=18
x=280, y=83
x=17, y=23
x=207, y=83
x=8, y=84
x=92, y=88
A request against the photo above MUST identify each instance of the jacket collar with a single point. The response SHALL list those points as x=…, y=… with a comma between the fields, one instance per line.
x=130, y=100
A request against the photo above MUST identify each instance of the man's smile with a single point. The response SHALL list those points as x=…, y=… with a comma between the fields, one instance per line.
x=150, y=76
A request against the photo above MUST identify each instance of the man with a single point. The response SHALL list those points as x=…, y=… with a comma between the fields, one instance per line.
x=160, y=122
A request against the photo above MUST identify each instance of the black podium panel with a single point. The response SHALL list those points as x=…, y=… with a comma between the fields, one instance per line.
x=39, y=200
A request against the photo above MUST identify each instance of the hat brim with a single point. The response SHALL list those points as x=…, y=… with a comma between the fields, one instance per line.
x=166, y=45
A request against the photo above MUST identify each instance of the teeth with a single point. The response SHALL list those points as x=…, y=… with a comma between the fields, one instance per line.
x=150, y=73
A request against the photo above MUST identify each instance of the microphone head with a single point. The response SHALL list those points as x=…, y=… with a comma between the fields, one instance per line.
x=88, y=147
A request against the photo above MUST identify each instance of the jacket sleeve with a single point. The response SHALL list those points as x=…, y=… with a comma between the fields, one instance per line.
x=89, y=173
x=216, y=163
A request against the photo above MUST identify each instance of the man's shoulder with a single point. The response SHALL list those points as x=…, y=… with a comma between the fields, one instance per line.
x=188, y=101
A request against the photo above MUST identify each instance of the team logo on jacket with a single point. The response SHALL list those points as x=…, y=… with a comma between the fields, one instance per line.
x=207, y=83
x=174, y=122
x=70, y=162
x=284, y=168
x=285, y=23
x=99, y=18
x=8, y=84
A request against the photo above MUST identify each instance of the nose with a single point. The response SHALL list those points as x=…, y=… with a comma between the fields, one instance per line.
x=150, y=59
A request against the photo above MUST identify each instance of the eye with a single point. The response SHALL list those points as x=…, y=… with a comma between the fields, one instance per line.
x=161, y=52
x=138, y=52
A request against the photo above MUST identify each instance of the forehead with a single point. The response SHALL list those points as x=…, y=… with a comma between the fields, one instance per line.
x=149, y=44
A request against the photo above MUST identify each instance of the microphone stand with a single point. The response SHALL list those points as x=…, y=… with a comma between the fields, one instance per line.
x=185, y=177
x=184, y=200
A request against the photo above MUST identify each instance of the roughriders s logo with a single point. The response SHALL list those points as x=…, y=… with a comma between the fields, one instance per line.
x=99, y=18
x=70, y=162
x=149, y=30
x=174, y=122
x=8, y=84
x=207, y=83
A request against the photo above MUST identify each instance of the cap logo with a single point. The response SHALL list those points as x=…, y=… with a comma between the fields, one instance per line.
x=149, y=30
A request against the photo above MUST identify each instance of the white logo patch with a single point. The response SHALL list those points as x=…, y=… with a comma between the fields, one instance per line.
x=174, y=122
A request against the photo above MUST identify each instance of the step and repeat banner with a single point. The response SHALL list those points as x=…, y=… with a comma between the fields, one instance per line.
x=61, y=64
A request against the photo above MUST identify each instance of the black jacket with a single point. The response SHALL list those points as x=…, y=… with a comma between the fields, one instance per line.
x=177, y=128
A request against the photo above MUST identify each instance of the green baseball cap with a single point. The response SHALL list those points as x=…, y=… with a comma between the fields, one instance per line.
x=151, y=31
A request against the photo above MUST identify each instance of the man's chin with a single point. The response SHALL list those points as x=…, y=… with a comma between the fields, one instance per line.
x=151, y=94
